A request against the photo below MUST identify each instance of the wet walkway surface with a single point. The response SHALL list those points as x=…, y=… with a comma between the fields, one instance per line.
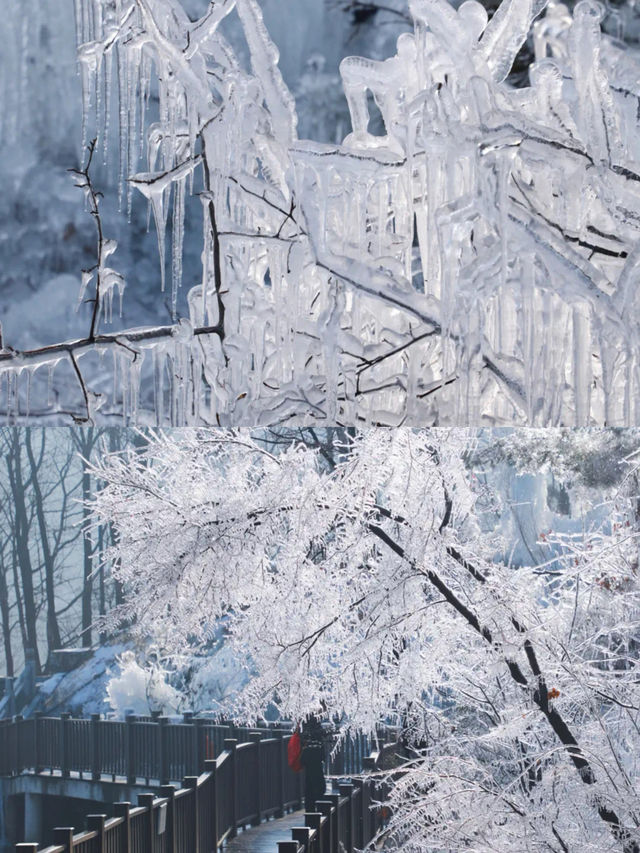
x=264, y=838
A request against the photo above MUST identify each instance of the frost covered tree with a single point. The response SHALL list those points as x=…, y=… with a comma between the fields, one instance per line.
x=366, y=591
x=476, y=258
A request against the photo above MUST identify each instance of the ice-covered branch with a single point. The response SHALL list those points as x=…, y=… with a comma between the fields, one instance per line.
x=106, y=279
x=470, y=261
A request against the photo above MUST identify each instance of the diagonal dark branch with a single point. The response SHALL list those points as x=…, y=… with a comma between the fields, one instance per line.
x=83, y=387
x=94, y=209
x=539, y=694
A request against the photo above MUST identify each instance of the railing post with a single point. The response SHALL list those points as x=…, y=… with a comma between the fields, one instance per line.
x=287, y=847
x=282, y=769
x=340, y=760
x=5, y=763
x=123, y=810
x=211, y=767
x=334, y=799
x=193, y=764
x=327, y=810
x=169, y=792
x=255, y=738
x=230, y=745
x=9, y=743
x=163, y=723
x=146, y=800
x=346, y=790
x=302, y=835
x=359, y=840
x=191, y=782
x=63, y=836
x=314, y=821
x=37, y=741
x=368, y=814
x=95, y=823
x=200, y=745
x=96, y=758
x=299, y=780
x=25, y=847
x=64, y=744
x=129, y=744
x=18, y=737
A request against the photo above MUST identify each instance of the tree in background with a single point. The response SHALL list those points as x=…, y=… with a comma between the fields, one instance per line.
x=54, y=583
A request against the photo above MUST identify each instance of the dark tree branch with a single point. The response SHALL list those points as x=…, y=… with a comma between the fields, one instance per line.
x=85, y=183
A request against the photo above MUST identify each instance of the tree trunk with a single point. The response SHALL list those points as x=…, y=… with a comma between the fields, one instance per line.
x=16, y=586
x=53, y=630
x=6, y=624
x=14, y=465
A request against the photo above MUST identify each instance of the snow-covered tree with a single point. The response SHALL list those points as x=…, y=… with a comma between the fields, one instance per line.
x=366, y=591
x=475, y=258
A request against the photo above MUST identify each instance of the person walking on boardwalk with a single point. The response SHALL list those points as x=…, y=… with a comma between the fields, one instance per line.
x=311, y=758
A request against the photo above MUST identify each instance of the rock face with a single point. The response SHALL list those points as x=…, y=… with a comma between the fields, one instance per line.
x=66, y=660
x=78, y=683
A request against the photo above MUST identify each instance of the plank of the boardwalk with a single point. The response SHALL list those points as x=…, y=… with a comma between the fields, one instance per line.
x=265, y=838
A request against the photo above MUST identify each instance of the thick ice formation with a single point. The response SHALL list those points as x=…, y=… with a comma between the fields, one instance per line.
x=477, y=262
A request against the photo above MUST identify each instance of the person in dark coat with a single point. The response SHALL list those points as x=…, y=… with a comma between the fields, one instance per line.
x=311, y=759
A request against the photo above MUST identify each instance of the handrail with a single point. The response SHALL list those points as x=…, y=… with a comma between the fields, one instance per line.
x=147, y=748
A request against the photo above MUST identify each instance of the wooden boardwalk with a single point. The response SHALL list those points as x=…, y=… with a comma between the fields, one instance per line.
x=264, y=838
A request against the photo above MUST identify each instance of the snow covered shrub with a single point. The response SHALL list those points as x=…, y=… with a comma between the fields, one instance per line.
x=479, y=259
x=141, y=689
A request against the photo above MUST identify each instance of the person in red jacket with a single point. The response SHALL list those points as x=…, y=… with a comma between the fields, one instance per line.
x=311, y=759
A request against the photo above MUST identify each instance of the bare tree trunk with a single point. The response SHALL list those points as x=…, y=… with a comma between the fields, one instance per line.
x=18, y=592
x=5, y=615
x=53, y=630
x=85, y=440
x=14, y=466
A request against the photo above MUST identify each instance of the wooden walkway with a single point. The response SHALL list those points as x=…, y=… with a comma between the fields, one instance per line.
x=264, y=838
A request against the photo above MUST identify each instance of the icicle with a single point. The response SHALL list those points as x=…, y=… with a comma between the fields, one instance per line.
x=123, y=122
x=157, y=385
x=50, y=369
x=178, y=238
x=133, y=66
x=108, y=84
x=264, y=61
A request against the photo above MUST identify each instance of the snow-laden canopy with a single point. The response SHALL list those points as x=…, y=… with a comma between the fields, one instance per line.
x=368, y=592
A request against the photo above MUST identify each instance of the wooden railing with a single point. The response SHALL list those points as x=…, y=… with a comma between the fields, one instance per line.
x=198, y=816
x=139, y=748
x=245, y=784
